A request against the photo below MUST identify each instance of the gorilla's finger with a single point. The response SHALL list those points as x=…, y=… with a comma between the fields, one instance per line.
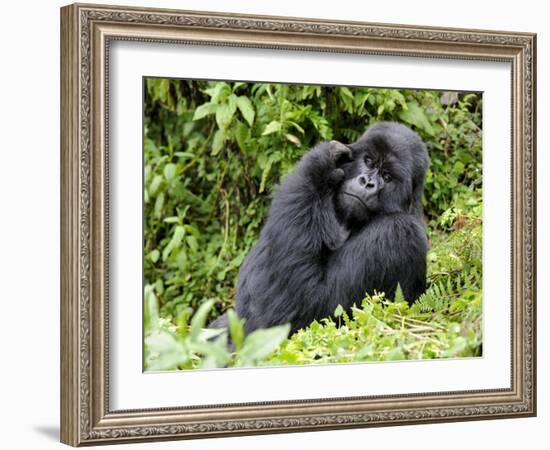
x=339, y=151
x=336, y=176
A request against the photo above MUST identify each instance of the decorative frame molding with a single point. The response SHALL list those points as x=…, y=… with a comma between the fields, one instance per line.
x=86, y=31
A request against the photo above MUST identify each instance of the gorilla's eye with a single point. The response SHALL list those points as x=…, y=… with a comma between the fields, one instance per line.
x=369, y=163
x=387, y=177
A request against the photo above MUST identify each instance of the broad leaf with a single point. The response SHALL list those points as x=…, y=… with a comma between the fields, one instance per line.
x=175, y=242
x=224, y=114
x=416, y=116
x=199, y=319
x=236, y=329
x=217, y=142
x=169, y=171
x=204, y=110
x=246, y=109
x=272, y=127
x=261, y=343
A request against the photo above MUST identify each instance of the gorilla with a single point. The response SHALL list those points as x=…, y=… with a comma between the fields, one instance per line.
x=347, y=221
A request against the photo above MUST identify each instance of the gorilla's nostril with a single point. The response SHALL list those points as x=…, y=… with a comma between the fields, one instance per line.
x=370, y=185
x=362, y=180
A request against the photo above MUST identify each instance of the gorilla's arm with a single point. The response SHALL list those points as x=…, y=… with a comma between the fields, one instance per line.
x=281, y=279
x=304, y=202
x=390, y=250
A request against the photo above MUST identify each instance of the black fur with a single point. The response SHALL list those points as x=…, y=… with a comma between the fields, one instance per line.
x=347, y=221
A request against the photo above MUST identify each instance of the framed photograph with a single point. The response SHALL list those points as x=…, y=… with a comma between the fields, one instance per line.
x=280, y=224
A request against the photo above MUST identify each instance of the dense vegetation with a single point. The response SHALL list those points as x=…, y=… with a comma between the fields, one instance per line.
x=213, y=152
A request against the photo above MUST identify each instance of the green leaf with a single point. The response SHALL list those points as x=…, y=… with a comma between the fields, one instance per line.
x=458, y=347
x=154, y=255
x=416, y=116
x=164, y=90
x=338, y=311
x=182, y=321
x=224, y=114
x=399, y=296
x=218, y=92
x=169, y=171
x=204, y=110
x=155, y=184
x=347, y=92
x=238, y=84
x=290, y=137
x=217, y=142
x=360, y=100
x=163, y=351
x=149, y=146
x=192, y=243
x=246, y=109
x=184, y=155
x=272, y=127
x=274, y=157
x=151, y=309
x=159, y=286
x=458, y=167
x=265, y=173
x=236, y=329
x=261, y=343
x=242, y=135
x=395, y=354
x=207, y=334
x=215, y=353
x=175, y=242
x=296, y=126
x=199, y=319
x=159, y=204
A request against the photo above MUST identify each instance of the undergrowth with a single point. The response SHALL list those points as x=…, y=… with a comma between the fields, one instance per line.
x=445, y=322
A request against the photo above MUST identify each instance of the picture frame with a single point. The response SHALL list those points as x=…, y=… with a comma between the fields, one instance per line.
x=87, y=32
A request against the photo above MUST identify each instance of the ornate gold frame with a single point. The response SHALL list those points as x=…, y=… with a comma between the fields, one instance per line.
x=86, y=31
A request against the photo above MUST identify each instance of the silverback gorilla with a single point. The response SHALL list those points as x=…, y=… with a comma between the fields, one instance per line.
x=347, y=221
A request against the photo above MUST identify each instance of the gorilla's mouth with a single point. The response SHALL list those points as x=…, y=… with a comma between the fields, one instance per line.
x=356, y=197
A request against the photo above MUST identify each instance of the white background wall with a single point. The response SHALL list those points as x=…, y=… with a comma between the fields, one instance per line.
x=29, y=233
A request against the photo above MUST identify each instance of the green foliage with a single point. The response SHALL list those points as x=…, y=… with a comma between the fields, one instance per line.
x=444, y=322
x=189, y=345
x=213, y=151
x=381, y=330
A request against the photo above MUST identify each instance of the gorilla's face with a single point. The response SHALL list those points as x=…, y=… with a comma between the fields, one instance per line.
x=378, y=180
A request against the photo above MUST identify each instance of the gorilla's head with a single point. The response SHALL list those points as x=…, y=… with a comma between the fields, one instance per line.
x=384, y=175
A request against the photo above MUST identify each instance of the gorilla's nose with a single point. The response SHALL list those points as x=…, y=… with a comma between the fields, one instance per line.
x=367, y=183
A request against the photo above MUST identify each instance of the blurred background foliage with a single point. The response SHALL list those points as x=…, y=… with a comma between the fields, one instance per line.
x=214, y=150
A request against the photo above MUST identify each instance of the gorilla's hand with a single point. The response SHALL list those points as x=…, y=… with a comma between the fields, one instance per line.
x=320, y=165
x=338, y=151
x=304, y=202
